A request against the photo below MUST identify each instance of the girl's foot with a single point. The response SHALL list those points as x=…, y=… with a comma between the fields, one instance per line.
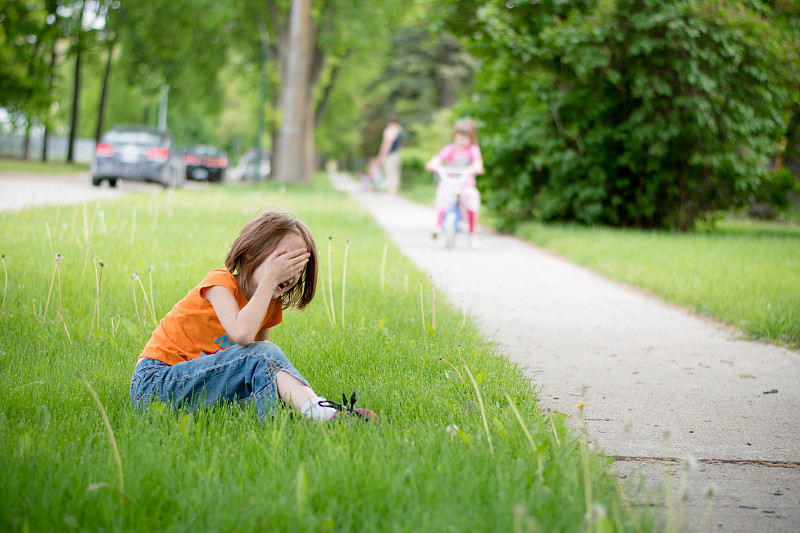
x=343, y=409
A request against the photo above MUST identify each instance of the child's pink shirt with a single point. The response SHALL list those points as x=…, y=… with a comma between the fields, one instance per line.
x=454, y=156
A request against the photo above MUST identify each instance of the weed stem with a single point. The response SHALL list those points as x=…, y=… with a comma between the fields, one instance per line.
x=422, y=306
x=587, y=482
x=453, y=367
x=109, y=430
x=344, y=276
x=5, y=286
x=383, y=267
x=63, y=323
x=521, y=422
x=480, y=404
x=330, y=281
x=135, y=303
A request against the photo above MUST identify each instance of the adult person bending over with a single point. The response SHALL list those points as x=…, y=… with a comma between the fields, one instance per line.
x=389, y=154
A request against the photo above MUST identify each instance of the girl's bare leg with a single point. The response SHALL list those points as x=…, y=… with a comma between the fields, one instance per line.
x=291, y=391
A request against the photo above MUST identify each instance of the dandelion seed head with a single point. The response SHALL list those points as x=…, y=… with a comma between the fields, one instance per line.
x=689, y=464
x=59, y=257
x=100, y=214
x=135, y=276
x=151, y=268
x=347, y=242
x=101, y=263
x=598, y=511
x=63, y=225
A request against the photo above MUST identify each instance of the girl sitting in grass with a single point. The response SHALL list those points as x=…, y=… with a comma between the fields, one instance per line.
x=213, y=346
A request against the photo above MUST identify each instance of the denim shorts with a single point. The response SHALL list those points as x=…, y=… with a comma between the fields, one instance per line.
x=242, y=374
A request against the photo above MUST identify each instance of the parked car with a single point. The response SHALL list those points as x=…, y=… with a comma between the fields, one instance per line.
x=205, y=163
x=246, y=168
x=137, y=153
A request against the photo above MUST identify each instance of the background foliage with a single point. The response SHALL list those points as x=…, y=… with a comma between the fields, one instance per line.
x=630, y=112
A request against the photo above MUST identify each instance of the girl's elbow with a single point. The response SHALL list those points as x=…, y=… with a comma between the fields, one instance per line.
x=242, y=338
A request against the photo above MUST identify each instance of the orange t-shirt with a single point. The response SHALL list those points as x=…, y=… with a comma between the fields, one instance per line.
x=192, y=328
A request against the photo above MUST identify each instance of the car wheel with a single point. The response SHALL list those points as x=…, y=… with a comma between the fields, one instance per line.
x=96, y=181
x=112, y=182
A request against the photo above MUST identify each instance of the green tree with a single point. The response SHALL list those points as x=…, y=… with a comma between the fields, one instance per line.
x=630, y=112
x=26, y=40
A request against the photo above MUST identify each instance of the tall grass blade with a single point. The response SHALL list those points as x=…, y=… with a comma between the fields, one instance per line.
x=522, y=424
x=330, y=281
x=112, y=440
x=5, y=286
x=480, y=404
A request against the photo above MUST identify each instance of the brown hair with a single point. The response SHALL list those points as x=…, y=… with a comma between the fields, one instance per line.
x=258, y=239
x=466, y=127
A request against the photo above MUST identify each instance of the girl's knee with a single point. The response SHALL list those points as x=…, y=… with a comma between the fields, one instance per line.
x=268, y=350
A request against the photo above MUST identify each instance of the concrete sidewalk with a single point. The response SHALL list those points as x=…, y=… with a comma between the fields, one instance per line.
x=645, y=369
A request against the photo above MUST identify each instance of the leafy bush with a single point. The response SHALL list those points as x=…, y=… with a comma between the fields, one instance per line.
x=413, y=170
x=775, y=194
x=636, y=113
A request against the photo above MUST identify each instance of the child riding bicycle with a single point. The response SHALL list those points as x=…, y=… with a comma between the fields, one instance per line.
x=465, y=155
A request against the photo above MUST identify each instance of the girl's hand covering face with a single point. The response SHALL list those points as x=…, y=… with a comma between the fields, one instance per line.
x=282, y=269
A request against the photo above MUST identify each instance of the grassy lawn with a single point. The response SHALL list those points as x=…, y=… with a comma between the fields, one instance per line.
x=8, y=164
x=742, y=272
x=447, y=455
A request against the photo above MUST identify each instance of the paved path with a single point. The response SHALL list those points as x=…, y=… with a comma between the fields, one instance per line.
x=18, y=190
x=644, y=368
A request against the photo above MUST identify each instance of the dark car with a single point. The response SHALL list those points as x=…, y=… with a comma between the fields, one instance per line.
x=137, y=153
x=205, y=163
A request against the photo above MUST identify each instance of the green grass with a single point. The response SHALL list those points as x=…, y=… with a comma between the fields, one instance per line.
x=427, y=466
x=744, y=273
x=12, y=165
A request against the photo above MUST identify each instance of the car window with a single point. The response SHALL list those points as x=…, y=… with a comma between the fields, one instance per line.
x=132, y=137
x=205, y=151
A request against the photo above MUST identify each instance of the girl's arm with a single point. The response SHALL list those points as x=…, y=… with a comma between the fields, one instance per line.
x=244, y=325
x=435, y=162
x=477, y=160
x=439, y=159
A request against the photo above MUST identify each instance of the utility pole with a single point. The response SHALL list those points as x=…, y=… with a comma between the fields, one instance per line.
x=162, y=108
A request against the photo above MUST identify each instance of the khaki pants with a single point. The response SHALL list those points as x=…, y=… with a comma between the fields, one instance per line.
x=391, y=172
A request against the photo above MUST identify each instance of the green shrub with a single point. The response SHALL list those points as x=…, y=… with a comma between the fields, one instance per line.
x=413, y=172
x=637, y=113
x=774, y=194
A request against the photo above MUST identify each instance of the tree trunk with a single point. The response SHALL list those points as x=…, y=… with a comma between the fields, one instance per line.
x=26, y=147
x=73, y=130
x=280, y=24
x=290, y=160
x=46, y=136
x=315, y=71
x=103, y=92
